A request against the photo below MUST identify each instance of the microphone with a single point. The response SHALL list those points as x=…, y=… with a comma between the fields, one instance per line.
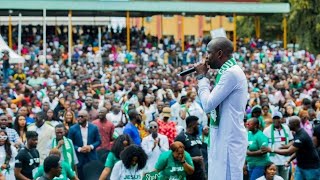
x=186, y=72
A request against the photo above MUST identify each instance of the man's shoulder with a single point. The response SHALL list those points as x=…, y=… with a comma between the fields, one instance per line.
x=11, y=130
x=91, y=125
x=161, y=136
x=235, y=72
x=181, y=135
x=48, y=126
x=74, y=127
x=96, y=122
x=31, y=127
x=22, y=151
x=147, y=138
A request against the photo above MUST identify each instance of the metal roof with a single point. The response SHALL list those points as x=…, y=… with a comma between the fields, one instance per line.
x=137, y=8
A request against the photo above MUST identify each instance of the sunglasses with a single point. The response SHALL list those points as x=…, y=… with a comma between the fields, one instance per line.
x=81, y=116
x=153, y=127
x=3, y=137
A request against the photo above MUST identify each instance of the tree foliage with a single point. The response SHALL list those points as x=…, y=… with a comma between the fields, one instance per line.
x=270, y=25
x=304, y=23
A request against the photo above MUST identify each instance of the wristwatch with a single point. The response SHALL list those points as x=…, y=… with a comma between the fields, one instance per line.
x=200, y=76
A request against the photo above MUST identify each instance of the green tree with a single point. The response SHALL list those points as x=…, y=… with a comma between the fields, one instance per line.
x=304, y=23
x=270, y=24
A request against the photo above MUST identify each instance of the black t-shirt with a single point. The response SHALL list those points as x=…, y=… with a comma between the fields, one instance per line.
x=193, y=146
x=27, y=160
x=307, y=156
x=316, y=133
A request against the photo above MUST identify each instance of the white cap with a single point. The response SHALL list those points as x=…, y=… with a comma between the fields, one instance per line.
x=277, y=114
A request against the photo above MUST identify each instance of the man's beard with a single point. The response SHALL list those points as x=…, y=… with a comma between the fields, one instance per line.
x=196, y=131
x=89, y=106
x=116, y=112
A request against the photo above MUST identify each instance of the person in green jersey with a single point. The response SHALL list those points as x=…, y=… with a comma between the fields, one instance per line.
x=66, y=172
x=174, y=164
x=119, y=145
x=256, y=159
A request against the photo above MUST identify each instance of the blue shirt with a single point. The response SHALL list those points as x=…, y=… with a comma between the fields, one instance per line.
x=133, y=132
x=29, y=120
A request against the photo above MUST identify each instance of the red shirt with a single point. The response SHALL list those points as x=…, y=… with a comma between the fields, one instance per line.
x=106, y=130
x=168, y=129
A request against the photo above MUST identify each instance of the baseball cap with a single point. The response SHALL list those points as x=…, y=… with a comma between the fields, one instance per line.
x=277, y=114
x=166, y=112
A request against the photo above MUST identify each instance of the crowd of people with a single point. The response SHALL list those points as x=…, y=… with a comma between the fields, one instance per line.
x=118, y=114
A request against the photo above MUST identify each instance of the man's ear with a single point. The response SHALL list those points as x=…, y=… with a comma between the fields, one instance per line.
x=220, y=53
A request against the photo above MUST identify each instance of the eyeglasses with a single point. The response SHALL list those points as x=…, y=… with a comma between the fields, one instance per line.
x=81, y=116
x=153, y=127
x=3, y=137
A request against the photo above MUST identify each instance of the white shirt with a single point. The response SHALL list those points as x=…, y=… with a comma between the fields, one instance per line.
x=120, y=172
x=46, y=133
x=276, y=177
x=10, y=174
x=228, y=141
x=149, y=112
x=196, y=110
x=153, y=155
x=84, y=134
x=52, y=104
x=115, y=119
x=279, y=140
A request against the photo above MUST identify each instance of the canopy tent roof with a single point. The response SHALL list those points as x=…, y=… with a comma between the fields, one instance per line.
x=14, y=57
x=136, y=8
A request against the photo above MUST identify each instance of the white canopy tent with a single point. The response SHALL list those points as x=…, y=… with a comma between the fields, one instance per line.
x=14, y=57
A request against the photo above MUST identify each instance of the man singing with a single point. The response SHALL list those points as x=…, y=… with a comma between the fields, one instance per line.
x=226, y=105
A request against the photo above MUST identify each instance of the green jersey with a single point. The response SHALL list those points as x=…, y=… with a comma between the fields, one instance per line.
x=66, y=172
x=171, y=169
x=256, y=141
x=111, y=160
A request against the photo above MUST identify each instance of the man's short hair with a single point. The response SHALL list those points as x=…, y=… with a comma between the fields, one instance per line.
x=31, y=134
x=132, y=114
x=41, y=115
x=50, y=162
x=306, y=101
x=59, y=126
x=191, y=119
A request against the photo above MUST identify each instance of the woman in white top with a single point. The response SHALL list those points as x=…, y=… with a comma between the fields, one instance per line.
x=270, y=173
x=7, y=156
x=131, y=166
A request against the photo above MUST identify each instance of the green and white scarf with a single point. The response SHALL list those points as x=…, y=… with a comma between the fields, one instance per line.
x=272, y=137
x=214, y=114
x=68, y=155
